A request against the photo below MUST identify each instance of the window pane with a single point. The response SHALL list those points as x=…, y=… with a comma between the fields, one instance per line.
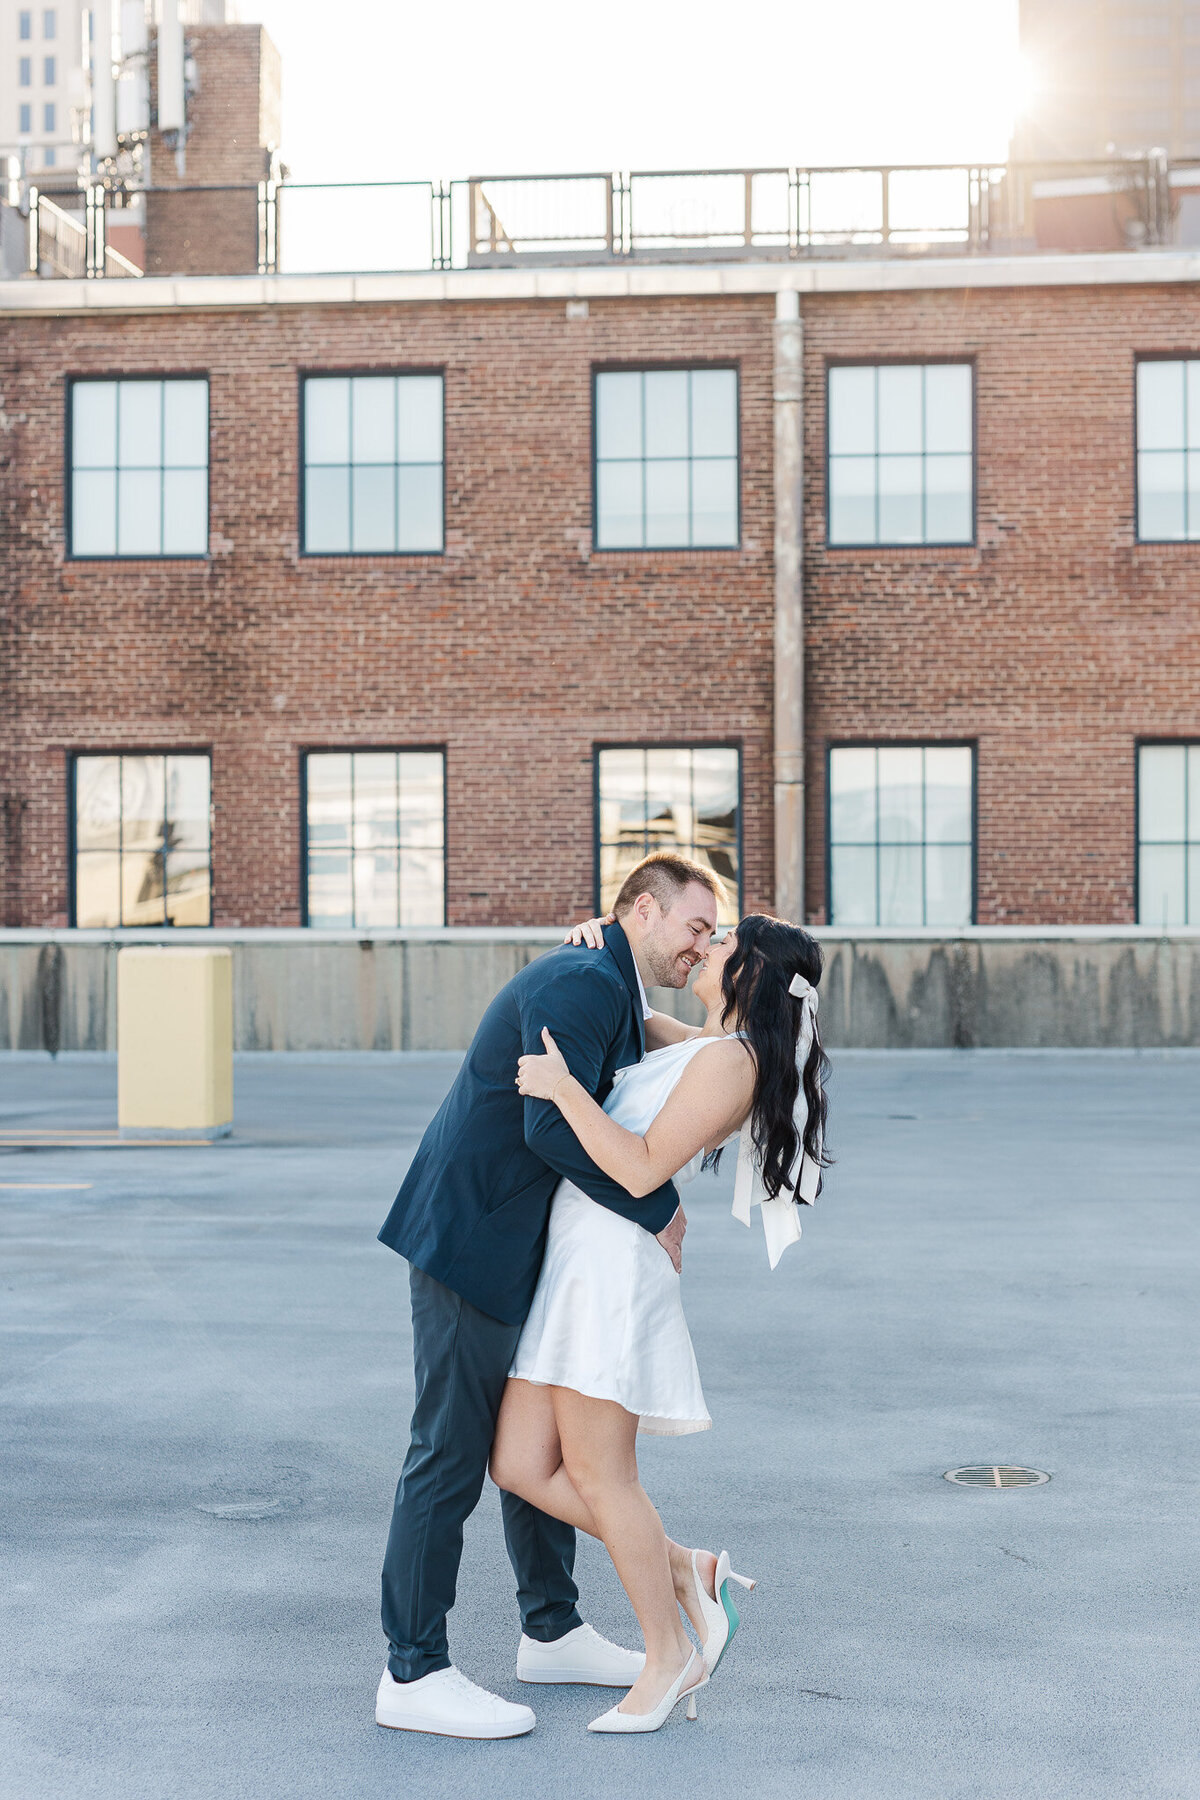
x=618, y=505
x=185, y=512
x=143, y=802
x=420, y=508
x=669, y=798
x=622, y=793
x=94, y=513
x=948, y=407
x=1160, y=885
x=422, y=882
x=851, y=411
x=94, y=424
x=714, y=502
x=142, y=899
x=375, y=799
x=329, y=891
x=714, y=412
x=1161, y=773
x=900, y=901
x=1194, y=792
x=98, y=802
x=187, y=779
x=376, y=888
x=1192, y=506
x=327, y=509
x=422, y=799
x=667, y=412
x=852, y=500
x=900, y=409
x=715, y=788
x=373, y=411
x=327, y=420
x=1192, y=403
x=188, y=898
x=948, y=795
x=948, y=499
x=98, y=888
x=420, y=418
x=139, y=424
x=947, y=884
x=900, y=796
x=1160, y=494
x=852, y=810
x=900, y=500
x=374, y=514
x=1160, y=406
x=139, y=512
x=667, y=503
x=618, y=415
x=185, y=427
x=1193, y=878
x=328, y=782
x=853, y=885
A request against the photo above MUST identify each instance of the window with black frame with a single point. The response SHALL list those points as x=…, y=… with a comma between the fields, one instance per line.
x=666, y=474
x=1169, y=835
x=1168, y=450
x=901, y=834
x=139, y=467
x=372, y=464
x=900, y=462
x=375, y=838
x=679, y=797
x=142, y=840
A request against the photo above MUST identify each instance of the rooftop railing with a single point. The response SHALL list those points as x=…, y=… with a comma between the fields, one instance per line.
x=499, y=221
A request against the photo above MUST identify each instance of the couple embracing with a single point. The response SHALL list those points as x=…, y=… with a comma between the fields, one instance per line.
x=543, y=1230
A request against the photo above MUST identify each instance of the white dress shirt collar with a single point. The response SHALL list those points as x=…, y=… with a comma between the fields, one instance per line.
x=647, y=1009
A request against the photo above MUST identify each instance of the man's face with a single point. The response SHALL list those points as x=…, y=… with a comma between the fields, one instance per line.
x=676, y=940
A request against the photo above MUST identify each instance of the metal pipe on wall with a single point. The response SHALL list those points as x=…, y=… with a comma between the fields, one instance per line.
x=788, y=409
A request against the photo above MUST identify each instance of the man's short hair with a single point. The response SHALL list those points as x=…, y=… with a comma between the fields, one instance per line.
x=665, y=874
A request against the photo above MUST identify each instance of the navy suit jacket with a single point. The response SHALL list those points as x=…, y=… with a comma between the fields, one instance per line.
x=473, y=1208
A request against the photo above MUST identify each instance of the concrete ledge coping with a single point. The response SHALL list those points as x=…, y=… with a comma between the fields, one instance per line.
x=538, y=934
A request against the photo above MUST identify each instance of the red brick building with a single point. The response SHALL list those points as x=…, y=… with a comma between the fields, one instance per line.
x=1049, y=648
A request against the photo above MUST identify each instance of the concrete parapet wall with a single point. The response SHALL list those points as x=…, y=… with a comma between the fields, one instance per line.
x=426, y=990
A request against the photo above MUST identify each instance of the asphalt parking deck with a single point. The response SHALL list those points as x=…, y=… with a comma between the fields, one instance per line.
x=206, y=1387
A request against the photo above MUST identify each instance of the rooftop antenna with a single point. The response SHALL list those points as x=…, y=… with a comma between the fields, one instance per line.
x=172, y=105
x=104, y=88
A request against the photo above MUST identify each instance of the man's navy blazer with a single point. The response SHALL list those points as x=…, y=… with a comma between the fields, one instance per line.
x=474, y=1205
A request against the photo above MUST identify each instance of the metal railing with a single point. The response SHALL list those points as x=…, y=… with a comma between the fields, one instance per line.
x=687, y=215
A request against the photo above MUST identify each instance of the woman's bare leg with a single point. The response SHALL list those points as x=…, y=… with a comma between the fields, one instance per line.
x=527, y=1460
x=598, y=1440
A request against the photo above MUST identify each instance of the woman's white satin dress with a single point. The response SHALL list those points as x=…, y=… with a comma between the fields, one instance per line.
x=607, y=1316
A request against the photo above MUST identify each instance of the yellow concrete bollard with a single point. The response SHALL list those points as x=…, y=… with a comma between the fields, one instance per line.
x=174, y=1041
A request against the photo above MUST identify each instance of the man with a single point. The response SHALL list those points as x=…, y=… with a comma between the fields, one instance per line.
x=471, y=1220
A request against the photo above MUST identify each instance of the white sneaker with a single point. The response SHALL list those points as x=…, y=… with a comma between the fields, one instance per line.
x=447, y=1703
x=583, y=1655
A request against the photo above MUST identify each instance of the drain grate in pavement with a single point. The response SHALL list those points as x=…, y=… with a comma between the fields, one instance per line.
x=996, y=1475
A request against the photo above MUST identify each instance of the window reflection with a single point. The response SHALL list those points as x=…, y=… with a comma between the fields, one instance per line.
x=142, y=848
x=682, y=798
x=375, y=838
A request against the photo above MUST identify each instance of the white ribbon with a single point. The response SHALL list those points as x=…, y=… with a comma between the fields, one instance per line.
x=781, y=1216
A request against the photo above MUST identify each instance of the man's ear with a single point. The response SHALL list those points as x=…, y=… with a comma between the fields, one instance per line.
x=645, y=907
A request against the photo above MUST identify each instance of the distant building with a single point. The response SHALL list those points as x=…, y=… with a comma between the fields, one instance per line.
x=1110, y=78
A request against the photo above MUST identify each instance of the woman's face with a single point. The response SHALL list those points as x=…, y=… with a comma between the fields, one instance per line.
x=707, y=983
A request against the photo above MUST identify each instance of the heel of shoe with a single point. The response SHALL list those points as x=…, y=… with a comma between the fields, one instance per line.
x=692, y=1709
x=742, y=1580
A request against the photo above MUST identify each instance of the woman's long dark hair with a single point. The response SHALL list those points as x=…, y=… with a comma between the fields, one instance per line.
x=754, y=987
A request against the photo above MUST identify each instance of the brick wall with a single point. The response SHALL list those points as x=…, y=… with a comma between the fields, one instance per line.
x=518, y=649
x=1053, y=642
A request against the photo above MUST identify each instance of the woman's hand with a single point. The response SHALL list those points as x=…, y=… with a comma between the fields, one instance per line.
x=591, y=932
x=538, y=1076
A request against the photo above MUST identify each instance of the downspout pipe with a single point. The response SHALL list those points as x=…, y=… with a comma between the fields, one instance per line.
x=788, y=769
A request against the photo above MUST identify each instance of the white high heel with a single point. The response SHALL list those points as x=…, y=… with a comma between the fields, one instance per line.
x=720, y=1615
x=615, y=1720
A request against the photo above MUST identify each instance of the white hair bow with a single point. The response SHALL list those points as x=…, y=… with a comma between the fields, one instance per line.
x=781, y=1216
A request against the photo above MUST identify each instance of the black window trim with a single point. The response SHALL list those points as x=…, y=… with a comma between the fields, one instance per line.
x=668, y=366
x=969, y=360
x=142, y=556
x=373, y=749
x=900, y=743
x=350, y=372
x=1147, y=356
x=672, y=743
x=141, y=749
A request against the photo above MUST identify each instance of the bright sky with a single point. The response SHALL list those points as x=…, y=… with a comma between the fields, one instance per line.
x=379, y=89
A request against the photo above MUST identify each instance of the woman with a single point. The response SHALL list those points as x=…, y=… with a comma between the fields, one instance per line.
x=605, y=1350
